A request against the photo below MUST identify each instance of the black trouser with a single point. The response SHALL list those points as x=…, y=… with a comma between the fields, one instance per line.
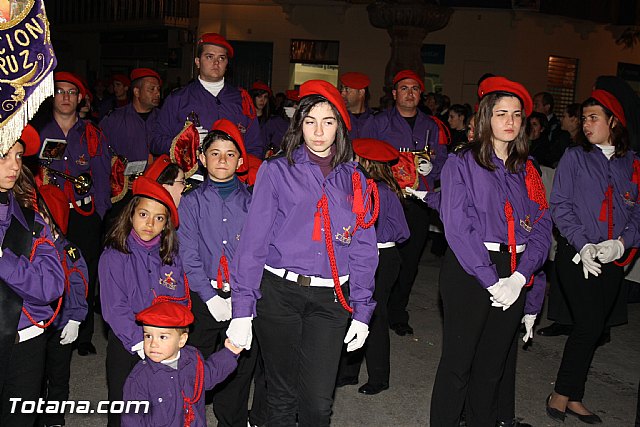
x=417, y=215
x=56, y=375
x=120, y=362
x=259, y=409
x=590, y=301
x=507, y=386
x=230, y=397
x=86, y=233
x=301, y=330
x=24, y=380
x=476, y=341
x=376, y=349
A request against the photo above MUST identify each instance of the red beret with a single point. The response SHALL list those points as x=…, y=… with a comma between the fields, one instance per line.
x=355, y=80
x=139, y=73
x=57, y=204
x=166, y=314
x=157, y=167
x=292, y=95
x=374, y=149
x=611, y=103
x=258, y=85
x=502, y=84
x=226, y=126
x=408, y=74
x=143, y=186
x=329, y=91
x=122, y=79
x=217, y=39
x=65, y=76
x=30, y=140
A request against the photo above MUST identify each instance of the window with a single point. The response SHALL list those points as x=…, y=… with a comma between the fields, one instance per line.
x=562, y=74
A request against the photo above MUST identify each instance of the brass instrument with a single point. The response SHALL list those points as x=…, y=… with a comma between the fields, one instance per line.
x=82, y=183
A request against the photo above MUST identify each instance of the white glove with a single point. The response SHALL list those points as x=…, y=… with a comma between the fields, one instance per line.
x=69, y=332
x=139, y=348
x=588, y=255
x=508, y=289
x=1, y=252
x=220, y=308
x=424, y=167
x=240, y=332
x=528, y=320
x=356, y=335
x=609, y=250
x=416, y=193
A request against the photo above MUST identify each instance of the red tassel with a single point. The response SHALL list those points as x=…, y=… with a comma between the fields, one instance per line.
x=535, y=187
x=248, y=109
x=317, y=232
x=92, y=136
x=603, y=210
x=358, y=203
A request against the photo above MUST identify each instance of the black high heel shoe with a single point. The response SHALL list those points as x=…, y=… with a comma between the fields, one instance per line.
x=554, y=413
x=587, y=419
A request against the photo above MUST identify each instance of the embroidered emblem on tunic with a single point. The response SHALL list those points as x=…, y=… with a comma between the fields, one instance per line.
x=168, y=281
x=237, y=237
x=242, y=129
x=526, y=224
x=628, y=200
x=82, y=160
x=345, y=236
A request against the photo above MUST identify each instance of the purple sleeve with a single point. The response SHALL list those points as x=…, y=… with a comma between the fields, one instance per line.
x=538, y=246
x=254, y=246
x=458, y=219
x=433, y=200
x=535, y=294
x=116, y=309
x=100, y=172
x=189, y=253
x=218, y=367
x=253, y=139
x=440, y=155
x=163, y=128
x=561, y=203
x=38, y=282
x=76, y=303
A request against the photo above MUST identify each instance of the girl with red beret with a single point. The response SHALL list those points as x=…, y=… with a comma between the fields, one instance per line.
x=495, y=219
x=140, y=265
x=391, y=227
x=298, y=249
x=594, y=203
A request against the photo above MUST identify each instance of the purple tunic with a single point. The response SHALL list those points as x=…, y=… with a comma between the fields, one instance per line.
x=579, y=187
x=279, y=228
x=130, y=282
x=358, y=122
x=38, y=283
x=77, y=160
x=163, y=387
x=74, y=305
x=273, y=131
x=127, y=133
x=391, y=225
x=209, y=225
x=195, y=98
x=391, y=127
x=472, y=211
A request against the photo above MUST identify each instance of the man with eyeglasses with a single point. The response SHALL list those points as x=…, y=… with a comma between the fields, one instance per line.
x=86, y=164
x=408, y=129
x=207, y=99
x=354, y=88
x=128, y=129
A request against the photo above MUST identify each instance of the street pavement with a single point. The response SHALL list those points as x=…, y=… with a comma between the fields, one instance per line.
x=611, y=388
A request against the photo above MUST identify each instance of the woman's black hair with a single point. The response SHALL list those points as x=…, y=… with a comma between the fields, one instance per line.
x=294, y=138
x=482, y=145
x=169, y=174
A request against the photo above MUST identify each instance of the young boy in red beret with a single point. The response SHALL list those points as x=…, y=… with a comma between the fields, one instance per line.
x=173, y=376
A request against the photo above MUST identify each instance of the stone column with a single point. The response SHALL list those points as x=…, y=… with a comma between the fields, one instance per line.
x=408, y=22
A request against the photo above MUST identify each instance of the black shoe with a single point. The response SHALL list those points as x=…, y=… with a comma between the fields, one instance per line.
x=86, y=348
x=555, y=329
x=346, y=381
x=402, y=329
x=373, y=388
x=554, y=413
x=588, y=419
x=516, y=422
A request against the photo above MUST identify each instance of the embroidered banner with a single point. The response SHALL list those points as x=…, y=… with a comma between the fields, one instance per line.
x=27, y=62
